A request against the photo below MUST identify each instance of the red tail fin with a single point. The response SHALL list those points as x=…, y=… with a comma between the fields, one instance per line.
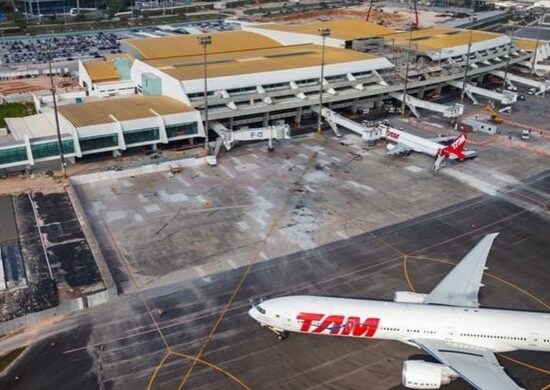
x=457, y=147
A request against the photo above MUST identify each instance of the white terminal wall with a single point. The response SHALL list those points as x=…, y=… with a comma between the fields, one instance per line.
x=293, y=38
x=463, y=49
x=284, y=76
x=170, y=86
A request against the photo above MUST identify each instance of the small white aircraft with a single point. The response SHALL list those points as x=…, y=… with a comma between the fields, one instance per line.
x=446, y=323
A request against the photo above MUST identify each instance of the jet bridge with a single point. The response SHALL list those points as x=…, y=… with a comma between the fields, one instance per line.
x=228, y=138
x=542, y=86
x=504, y=97
x=413, y=103
x=334, y=120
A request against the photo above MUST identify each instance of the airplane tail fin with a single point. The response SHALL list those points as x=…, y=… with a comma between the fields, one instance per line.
x=457, y=147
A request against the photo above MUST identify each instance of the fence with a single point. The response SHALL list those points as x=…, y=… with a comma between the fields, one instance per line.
x=64, y=308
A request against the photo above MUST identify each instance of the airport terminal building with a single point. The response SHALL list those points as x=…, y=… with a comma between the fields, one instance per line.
x=153, y=94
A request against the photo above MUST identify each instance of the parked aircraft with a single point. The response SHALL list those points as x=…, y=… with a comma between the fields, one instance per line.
x=402, y=143
x=447, y=323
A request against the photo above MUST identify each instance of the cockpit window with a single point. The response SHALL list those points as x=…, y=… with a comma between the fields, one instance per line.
x=260, y=309
x=256, y=304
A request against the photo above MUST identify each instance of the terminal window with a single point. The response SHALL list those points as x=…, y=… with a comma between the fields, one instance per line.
x=98, y=142
x=142, y=135
x=51, y=149
x=181, y=130
x=13, y=155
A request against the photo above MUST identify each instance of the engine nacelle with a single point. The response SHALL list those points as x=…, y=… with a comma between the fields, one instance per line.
x=408, y=297
x=418, y=374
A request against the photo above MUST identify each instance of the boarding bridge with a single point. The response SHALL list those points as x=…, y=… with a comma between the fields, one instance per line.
x=228, y=138
x=334, y=120
x=413, y=103
x=542, y=86
x=505, y=97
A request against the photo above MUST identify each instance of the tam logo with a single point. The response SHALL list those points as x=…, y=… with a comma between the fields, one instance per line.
x=393, y=135
x=338, y=324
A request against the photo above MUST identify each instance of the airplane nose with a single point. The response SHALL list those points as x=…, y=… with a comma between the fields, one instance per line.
x=253, y=313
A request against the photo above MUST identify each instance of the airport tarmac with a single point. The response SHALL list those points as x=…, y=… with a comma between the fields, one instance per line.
x=160, y=228
x=117, y=345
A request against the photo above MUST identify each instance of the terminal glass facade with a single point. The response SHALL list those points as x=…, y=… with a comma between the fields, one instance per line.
x=98, y=142
x=181, y=130
x=142, y=135
x=51, y=149
x=16, y=154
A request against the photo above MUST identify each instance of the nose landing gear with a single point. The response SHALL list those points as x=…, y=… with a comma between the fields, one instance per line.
x=282, y=335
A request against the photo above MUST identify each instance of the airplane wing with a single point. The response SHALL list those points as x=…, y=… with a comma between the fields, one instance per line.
x=398, y=149
x=461, y=286
x=477, y=366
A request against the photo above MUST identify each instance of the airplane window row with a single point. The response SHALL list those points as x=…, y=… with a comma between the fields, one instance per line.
x=391, y=329
x=493, y=337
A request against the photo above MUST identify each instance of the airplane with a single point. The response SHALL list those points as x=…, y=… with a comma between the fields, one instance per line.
x=447, y=324
x=402, y=143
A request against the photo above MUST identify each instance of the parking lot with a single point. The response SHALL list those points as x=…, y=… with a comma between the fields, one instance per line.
x=64, y=48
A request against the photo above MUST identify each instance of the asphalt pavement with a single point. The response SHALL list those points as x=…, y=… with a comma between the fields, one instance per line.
x=117, y=346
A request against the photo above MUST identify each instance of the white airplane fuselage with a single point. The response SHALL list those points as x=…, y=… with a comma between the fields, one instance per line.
x=414, y=142
x=495, y=329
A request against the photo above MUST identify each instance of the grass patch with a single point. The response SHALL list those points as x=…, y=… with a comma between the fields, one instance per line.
x=14, y=110
x=8, y=358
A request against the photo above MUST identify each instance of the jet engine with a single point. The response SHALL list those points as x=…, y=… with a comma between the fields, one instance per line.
x=418, y=374
x=408, y=297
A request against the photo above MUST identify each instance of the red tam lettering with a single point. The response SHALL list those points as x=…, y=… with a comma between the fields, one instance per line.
x=308, y=318
x=393, y=134
x=334, y=323
x=356, y=328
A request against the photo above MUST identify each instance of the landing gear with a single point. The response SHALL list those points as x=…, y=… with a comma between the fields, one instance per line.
x=282, y=335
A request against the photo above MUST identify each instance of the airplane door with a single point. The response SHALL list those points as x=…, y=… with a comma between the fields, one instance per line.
x=287, y=320
x=533, y=339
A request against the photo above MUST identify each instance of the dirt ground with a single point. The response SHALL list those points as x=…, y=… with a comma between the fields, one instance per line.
x=388, y=16
x=40, y=83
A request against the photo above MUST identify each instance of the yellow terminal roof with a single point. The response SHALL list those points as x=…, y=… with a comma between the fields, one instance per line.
x=123, y=109
x=346, y=29
x=436, y=38
x=101, y=70
x=527, y=44
x=255, y=61
x=188, y=45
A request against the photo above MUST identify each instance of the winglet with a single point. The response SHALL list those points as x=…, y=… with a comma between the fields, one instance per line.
x=461, y=286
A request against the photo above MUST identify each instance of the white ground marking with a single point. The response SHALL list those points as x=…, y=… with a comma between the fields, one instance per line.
x=414, y=169
x=472, y=181
x=227, y=171
x=152, y=208
x=243, y=226
x=358, y=185
x=111, y=216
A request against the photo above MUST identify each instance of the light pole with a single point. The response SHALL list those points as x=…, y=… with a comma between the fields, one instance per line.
x=407, y=71
x=60, y=143
x=467, y=66
x=204, y=41
x=324, y=32
x=508, y=58
x=535, y=51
